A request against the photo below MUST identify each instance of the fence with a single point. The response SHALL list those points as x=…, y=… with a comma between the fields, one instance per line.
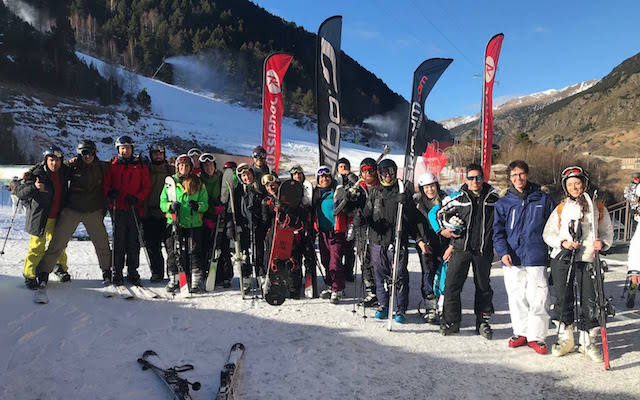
x=622, y=220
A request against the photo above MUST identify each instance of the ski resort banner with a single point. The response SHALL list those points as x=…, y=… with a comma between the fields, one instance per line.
x=490, y=67
x=424, y=78
x=434, y=159
x=275, y=66
x=328, y=90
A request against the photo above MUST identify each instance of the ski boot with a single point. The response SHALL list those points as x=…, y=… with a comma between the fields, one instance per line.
x=62, y=275
x=382, y=313
x=483, y=328
x=156, y=278
x=588, y=346
x=538, y=346
x=565, y=343
x=447, y=329
x=336, y=296
x=196, y=281
x=399, y=317
x=117, y=278
x=517, y=341
x=325, y=294
x=631, y=296
x=431, y=312
x=370, y=300
x=133, y=278
x=173, y=284
x=226, y=283
x=106, y=278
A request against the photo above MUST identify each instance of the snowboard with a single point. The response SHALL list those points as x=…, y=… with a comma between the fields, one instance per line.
x=229, y=372
x=170, y=185
x=278, y=278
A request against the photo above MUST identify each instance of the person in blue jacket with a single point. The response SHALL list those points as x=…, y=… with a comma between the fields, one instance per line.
x=518, y=223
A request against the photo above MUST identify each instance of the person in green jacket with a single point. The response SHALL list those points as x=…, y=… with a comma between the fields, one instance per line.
x=212, y=179
x=188, y=208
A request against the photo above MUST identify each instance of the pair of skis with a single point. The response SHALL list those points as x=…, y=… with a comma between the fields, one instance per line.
x=178, y=250
x=180, y=387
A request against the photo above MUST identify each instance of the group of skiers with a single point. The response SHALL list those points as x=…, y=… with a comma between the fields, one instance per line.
x=353, y=218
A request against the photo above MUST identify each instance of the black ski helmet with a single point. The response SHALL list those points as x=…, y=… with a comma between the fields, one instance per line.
x=574, y=172
x=52, y=151
x=86, y=145
x=368, y=162
x=343, y=160
x=156, y=148
x=124, y=141
x=259, y=152
x=387, y=165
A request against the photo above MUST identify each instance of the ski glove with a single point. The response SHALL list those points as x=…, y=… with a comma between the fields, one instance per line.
x=194, y=205
x=217, y=210
x=113, y=194
x=174, y=207
x=378, y=209
x=131, y=200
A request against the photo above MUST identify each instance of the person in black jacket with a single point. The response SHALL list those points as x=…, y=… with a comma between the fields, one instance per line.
x=381, y=211
x=347, y=179
x=44, y=192
x=467, y=217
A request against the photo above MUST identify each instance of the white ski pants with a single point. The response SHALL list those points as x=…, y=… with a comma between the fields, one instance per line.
x=634, y=250
x=528, y=293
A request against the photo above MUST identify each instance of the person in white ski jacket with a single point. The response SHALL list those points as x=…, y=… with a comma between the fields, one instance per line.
x=568, y=229
x=632, y=195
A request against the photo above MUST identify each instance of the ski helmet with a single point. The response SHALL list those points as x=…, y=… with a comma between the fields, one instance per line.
x=388, y=166
x=53, y=151
x=184, y=159
x=455, y=223
x=296, y=169
x=343, y=160
x=427, y=179
x=259, y=152
x=86, y=146
x=635, y=175
x=124, y=141
x=156, y=148
x=574, y=172
x=230, y=164
x=323, y=170
x=368, y=162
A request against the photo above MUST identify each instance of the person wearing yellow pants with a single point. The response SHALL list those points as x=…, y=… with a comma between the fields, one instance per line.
x=36, y=252
x=44, y=191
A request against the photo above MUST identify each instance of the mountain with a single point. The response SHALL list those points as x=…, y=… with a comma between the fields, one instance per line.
x=230, y=37
x=535, y=101
x=602, y=119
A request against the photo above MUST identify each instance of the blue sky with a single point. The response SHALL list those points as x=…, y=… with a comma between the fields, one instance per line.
x=547, y=45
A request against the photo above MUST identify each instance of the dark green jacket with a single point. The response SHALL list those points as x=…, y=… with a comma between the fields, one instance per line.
x=213, y=185
x=158, y=174
x=85, y=190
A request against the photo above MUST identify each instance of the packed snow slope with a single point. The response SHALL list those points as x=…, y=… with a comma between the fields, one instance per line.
x=83, y=345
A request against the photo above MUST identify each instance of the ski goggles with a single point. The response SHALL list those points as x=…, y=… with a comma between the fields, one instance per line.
x=323, y=171
x=194, y=152
x=52, y=153
x=268, y=179
x=242, y=168
x=296, y=170
x=367, y=168
x=387, y=172
x=259, y=156
x=206, y=157
x=476, y=178
x=156, y=148
x=572, y=171
x=183, y=159
x=87, y=152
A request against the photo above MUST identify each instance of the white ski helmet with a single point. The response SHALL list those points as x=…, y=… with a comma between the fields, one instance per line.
x=427, y=179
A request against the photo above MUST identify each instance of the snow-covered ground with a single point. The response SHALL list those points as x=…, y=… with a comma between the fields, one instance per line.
x=82, y=345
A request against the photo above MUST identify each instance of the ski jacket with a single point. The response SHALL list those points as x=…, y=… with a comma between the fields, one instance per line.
x=130, y=177
x=325, y=196
x=461, y=204
x=85, y=191
x=556, y=229
x=37, y=203
x=158, y=173
x=229, y=179
x=437, y=243
x=518, y=223
x=248, y=205
x=187, y=218
x=347, y=181
x=632, y=195
x=380, y=212
x=257, y=176
x=212, y=183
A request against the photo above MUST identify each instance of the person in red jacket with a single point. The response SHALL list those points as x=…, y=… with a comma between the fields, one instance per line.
x=127, y=184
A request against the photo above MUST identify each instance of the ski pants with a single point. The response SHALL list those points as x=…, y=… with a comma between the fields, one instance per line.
x=528, y=294
x=125, y=244
x=583, y=275
x=155, y=233
x=310, y=259
x=66, y=225
x=363, y=251
x=428, y=268
x=331, y=246
x=634, y=250
x=382, y=260
x=349, y=258
x=191, y=251
x=456, y=276
x=36, y=251
x=225, y=266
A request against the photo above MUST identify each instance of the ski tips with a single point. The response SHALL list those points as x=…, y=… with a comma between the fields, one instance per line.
x=237, y=346
x=149, y=353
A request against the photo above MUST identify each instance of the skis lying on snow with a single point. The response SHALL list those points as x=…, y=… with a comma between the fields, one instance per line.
x=130, y=292
x=229, y=372
x=179, y=386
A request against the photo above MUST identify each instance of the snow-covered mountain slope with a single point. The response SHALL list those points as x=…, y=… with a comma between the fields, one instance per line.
x=538, y=99
x=180, y=118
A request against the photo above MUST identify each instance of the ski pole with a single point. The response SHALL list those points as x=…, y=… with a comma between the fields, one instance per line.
x=140, y=235
x=113, y=237
x=9, y=230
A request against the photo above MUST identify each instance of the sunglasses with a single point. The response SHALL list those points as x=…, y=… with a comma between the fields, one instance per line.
x=476, y=178
x=259, y=156
x=86, y=153
x=206, y=157
x=572, y=171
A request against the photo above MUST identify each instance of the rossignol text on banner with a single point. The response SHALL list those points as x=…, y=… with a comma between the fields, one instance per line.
x=275, y=66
